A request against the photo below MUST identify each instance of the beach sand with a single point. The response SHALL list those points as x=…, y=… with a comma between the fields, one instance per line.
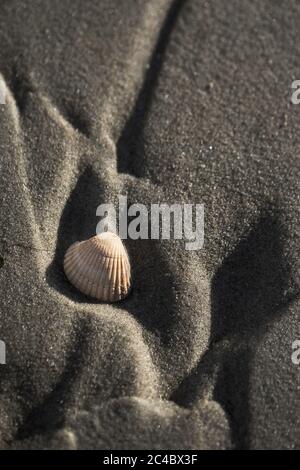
x=161, y=101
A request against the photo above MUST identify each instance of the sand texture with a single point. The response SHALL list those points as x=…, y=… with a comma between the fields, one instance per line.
x=161, y=101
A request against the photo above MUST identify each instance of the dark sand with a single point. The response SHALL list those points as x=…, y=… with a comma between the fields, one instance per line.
x=182, y=101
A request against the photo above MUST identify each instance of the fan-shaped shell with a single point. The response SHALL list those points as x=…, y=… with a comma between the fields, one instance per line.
x=99, y=267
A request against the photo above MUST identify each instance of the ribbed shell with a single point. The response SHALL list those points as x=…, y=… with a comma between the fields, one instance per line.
x=99, y=267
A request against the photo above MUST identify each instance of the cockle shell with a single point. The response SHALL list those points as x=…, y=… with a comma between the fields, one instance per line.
x=99, y=267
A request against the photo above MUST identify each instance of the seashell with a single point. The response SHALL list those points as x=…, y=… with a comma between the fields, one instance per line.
x=99, y=267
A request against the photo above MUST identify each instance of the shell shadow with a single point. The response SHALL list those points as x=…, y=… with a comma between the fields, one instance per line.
x=78, y=222
x=153, y=300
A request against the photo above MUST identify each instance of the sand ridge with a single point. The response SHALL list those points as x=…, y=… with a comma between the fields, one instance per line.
x=160, y=101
